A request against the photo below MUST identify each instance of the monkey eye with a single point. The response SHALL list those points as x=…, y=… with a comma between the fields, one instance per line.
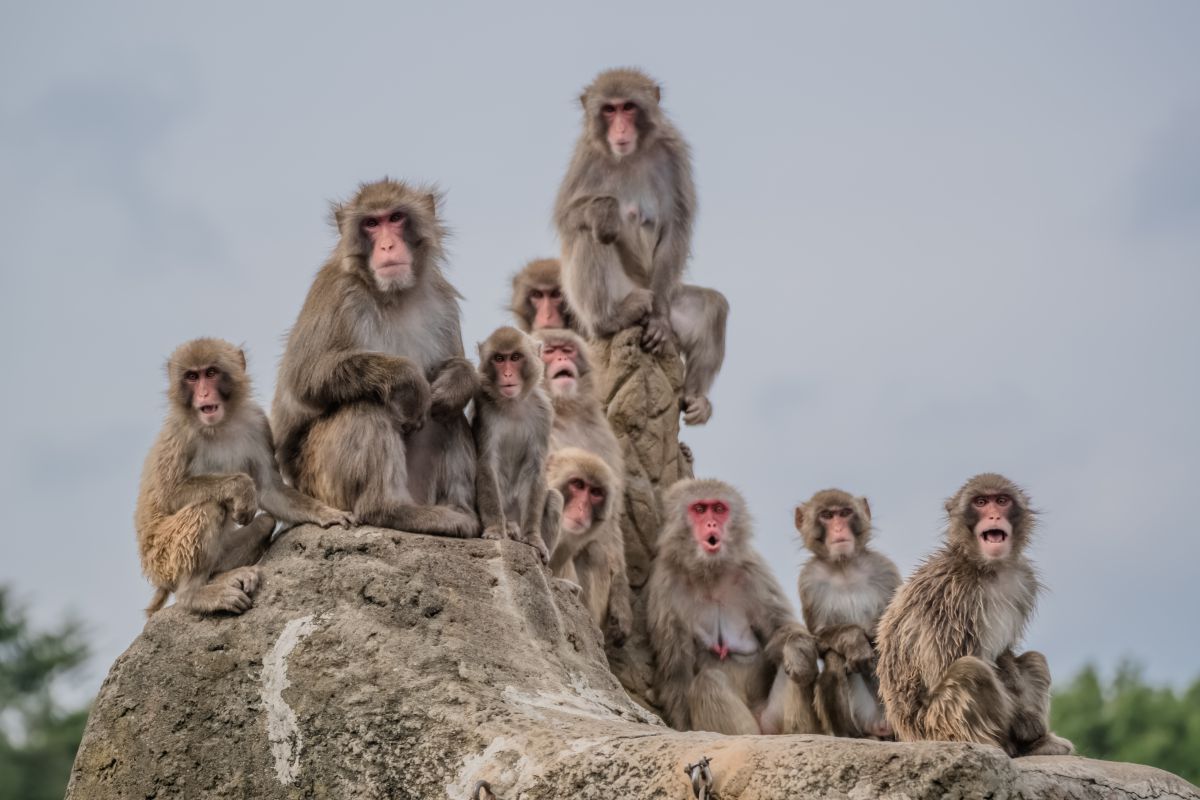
x=536, y=294
x=980, y=501
x=498, y=358
x=608, y=108
x=211, y=372
x=191, y=376
x=1003, y=500
x=719, y=508
x=555, y=294
x=397, y=216
x=516, y=357
x=567, y=350
x=370, y=222
x=844, y=512
x=628, y=106
x=700, y=508
x=826, y=514
x=597, y=493
x=576, y=484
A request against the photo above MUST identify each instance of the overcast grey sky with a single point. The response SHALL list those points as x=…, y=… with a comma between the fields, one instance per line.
x=956, y=237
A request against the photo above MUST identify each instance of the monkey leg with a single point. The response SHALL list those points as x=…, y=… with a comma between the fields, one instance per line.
x=601, y=295
x=228, y=591
x=181, y=545
x=714, y=704
x=244, y=545
x=698, y=319
x=832, y=700
x=552, y=518
x=1027, y=679
x=446, y=449
x=969, y=704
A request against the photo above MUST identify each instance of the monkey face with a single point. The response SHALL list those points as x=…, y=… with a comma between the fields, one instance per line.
x=547, y=305
x=992, y=527
x=621, y=117
x=562, y=369
x=838, y=525
x=391, y=258
x=208, y=389
x=583, y=504
x=508, y=371
x=708, y=518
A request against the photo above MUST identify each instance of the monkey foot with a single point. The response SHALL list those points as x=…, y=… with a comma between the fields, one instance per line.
x=696, y=410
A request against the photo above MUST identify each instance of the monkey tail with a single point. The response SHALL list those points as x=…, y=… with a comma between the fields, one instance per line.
x=157, y=602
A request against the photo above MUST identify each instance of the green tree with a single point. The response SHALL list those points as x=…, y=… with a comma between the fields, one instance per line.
x=38, y=739
x=1128, y=720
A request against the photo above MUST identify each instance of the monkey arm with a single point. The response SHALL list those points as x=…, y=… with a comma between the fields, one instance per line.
x=795, y=650
x=675, y=242
x=285, y=503
x=674, y=653
x=455, y=384
x=341, y=377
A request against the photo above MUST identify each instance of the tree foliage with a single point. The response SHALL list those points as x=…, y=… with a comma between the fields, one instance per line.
x=38, y=739
x=1128, y=720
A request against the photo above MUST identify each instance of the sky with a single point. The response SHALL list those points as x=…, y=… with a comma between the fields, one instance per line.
x=955, y=238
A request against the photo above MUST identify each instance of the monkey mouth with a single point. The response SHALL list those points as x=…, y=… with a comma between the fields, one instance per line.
x=994, y=536
x=393, y=267
x=509, y=389
x=210, y=413
x=712, y=544
x=565, y=372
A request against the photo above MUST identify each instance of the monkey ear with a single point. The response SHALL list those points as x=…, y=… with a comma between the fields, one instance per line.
x=866, y=506
x=339, y=216
x=799, y=516
x=657, y=93
x=242, y=358
x=429, y=200
x=583, y=100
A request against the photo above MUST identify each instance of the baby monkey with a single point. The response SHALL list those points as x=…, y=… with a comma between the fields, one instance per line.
x=513, y=417
x=844, y=589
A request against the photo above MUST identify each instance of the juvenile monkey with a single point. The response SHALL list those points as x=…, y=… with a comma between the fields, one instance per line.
x=368, y=410
x=512, y=434
x=210, y=470
x=844, y=589
x=580, y=423
x=730, y=656
x=947, y=666
x=624, y=216
x=537, y=297
x=587, y=486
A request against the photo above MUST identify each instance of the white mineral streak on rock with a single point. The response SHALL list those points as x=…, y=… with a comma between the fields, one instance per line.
x=283, y=731
x=584, y=702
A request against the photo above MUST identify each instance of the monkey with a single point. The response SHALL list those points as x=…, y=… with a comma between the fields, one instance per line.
x=210, y=470
x=844, y=589
x=369, y=404
x=624, y=216
x=730, y=657
x=537, y=297
x=587, y=486
x=947, y=667
x=512, y=423
x=579, y=422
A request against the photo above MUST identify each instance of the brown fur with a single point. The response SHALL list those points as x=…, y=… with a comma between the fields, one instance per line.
x=544, y=274
x=697, y=601
x=200, y=481
x=579, y=422
x=842, y=599
x=947, y=670
x=625, y=223
x=512, y=436
x=369, y=403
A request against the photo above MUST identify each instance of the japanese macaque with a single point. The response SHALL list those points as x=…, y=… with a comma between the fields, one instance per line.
x=730, y=657
x=368, y=409
x=210, y=470
x=537, y=297
x=947, y=667
x=624, y=216
x=512, y=434
x=579, y=422
x=844, y=589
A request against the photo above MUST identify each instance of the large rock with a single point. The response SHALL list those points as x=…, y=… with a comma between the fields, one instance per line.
x=378, y=664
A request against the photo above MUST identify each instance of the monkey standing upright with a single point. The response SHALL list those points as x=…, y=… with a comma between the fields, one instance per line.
x=730, y=657
x=844, y=589
x=369, y=405
x=209, y=471
x=624, y=216
x=512, y=434
x=947, y=667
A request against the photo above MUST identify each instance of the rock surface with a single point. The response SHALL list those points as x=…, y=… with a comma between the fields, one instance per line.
x=378, y=664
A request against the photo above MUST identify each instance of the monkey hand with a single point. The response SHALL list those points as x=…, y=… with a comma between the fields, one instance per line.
x=242, y=498
x=799, y=659
x=860, y=657
x=512, y=530
x=604, y=218
x=453, y=388
x=411, y=403
x=534, y=540
x=657, y=332
x=233, y=590
x=494, y=531
x=327, y=517
x=618, y=624
x=1027, y=725
x=696, y=409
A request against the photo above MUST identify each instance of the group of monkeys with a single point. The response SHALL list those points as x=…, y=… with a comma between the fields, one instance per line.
x=369, y=425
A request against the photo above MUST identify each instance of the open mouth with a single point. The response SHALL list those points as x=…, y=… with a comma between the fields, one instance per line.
x=712, y=544
x=994, y=536
x=565, y=372
x=209, y=409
